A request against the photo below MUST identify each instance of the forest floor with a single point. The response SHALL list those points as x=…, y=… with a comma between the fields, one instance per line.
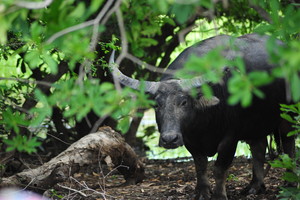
x=165, y=180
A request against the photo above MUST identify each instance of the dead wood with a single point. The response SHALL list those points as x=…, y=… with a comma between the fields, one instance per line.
x=105, y=145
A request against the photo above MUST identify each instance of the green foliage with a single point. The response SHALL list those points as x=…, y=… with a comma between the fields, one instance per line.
x=22, y=144
x=290, y=60
x=291, y=113
x=284, y=162
x=12, y=120
x=284, y=26
x=54, y=194
x=182, y=11
x=241, y=86
x=292, y=175
x=77, y=100
x=143, y=27
x=232, y=177
x=42, y=111
x=212, y=60
x=236, y=22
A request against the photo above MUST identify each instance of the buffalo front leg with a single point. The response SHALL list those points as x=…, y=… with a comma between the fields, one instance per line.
x=202, y=190
x=258, y=151
x=226, y=150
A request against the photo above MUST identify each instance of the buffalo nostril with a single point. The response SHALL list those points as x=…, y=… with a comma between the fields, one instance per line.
x=174, y=138
x=170, y=138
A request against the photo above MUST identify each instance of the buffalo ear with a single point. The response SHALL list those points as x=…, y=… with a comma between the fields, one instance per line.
x=203, y=102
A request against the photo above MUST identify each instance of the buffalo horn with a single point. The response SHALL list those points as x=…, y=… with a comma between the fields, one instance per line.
x=150, y=86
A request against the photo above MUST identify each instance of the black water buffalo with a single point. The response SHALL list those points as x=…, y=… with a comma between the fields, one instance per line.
x=210, y=126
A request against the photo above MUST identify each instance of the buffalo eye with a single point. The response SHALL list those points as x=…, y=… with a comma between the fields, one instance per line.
x=183, y=103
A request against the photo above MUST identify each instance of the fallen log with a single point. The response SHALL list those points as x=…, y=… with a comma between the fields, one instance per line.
x=105, y=145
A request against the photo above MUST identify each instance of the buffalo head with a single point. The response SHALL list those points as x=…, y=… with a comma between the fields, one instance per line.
x=175, y=106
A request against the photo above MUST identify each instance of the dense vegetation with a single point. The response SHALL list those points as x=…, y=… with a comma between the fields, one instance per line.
x=55, y=85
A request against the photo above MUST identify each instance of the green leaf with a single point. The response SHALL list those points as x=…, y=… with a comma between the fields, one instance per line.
x=295, y=108
x=290, y=177
x=259, y=78
x=295, y=87
x=287, y=117
x=169, y=20
x=36, y=31
x=3, y=30
x=284, y=162
x=33, y=58
x=12, y=120
x=246, y=98
x=294, y=132
x=258, y=93
x=147, y=42
x=106, y=86
x=42, y=111
x=95, y=4
x=22, y=144
x=207, y=91
x=31, y=145
x=182, y=12
x=78, y=11
x=52, y=64
x=124, y=124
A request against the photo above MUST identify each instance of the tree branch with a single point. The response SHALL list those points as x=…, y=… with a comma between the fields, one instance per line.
x=23, y=80
x=263, y=13
x=33, y=5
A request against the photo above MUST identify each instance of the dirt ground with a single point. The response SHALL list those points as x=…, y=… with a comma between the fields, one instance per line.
x=166, y=180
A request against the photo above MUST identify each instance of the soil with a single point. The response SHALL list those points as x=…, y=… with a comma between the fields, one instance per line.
x=166, y=180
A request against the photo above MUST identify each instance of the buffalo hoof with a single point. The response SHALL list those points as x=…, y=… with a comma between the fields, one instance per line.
x=202, y=195
x=219, y=197
x=254, y=188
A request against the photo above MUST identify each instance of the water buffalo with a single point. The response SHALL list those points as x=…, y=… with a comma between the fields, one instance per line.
x=210, y=126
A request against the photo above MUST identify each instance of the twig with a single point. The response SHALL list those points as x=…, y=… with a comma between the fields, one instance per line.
x=71, y=189
x=86, y=188
x=69, y=30
x=32, y=180
x=148, y=66
x=97, y=23
x=110, y=12
x=58, y=139
x=33, y=5
x=94, y=22
x=44, y=83
x=98, y=123
x=85, y=66
x=114, y=169
x=182, y=33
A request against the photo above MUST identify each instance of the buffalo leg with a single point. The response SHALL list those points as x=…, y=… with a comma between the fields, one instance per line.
x=202, y=190
x=286, y=143
x=258, y=151
x=226, y=151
